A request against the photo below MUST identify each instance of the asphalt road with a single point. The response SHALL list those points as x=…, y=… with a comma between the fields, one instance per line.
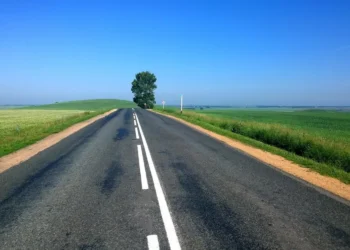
x=92, y=192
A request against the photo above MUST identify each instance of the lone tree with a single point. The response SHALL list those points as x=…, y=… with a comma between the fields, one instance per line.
x=143, y=87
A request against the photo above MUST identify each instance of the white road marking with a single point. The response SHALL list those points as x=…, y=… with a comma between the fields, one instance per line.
x=137, y=133
x=144, y=182
x=135, y=122
x=153, y=243
x=164, y=210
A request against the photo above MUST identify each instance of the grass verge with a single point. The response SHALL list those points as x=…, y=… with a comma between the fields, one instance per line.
x=330, y=161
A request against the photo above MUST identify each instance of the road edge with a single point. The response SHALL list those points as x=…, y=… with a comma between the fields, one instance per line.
x=24, y=154
x=326, y=183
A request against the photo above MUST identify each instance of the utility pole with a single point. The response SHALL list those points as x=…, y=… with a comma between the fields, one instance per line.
x=181, y=102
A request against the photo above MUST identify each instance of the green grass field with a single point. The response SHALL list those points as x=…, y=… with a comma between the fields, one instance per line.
x=317, y=139
x=330, y=125
x=25, y=126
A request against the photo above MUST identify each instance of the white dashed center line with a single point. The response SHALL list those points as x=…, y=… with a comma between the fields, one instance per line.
x=153, y=243
x=144, y=183
x=137, y=133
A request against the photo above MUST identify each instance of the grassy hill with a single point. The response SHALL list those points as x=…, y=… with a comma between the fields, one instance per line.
x=88, y=105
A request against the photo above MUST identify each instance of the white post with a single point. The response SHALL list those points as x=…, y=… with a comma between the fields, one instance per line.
x=163, y=104
x=181, y=102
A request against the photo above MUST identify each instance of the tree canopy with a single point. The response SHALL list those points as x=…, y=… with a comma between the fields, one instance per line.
x=143, y=87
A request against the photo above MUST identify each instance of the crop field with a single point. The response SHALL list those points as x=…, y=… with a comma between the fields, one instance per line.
x=21, y=127
x=318, y=139
x=330, y=125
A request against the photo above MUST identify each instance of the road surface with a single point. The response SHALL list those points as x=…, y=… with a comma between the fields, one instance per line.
x=125, y=183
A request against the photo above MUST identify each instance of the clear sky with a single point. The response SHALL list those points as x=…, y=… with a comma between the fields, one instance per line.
x=212, y=52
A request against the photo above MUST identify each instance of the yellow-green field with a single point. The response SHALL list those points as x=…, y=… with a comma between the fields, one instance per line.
x=13, y=119
x=21, y=127
x=24, y=126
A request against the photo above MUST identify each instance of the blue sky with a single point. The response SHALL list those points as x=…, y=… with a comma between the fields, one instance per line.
x=212, y=52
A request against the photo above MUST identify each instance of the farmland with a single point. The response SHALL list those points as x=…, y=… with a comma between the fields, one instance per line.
x=317, y=139
x=330, y=125
x=25, y=126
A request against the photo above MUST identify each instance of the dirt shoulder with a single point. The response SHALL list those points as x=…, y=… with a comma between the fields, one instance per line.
x=24, y=154
x=329, y=184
